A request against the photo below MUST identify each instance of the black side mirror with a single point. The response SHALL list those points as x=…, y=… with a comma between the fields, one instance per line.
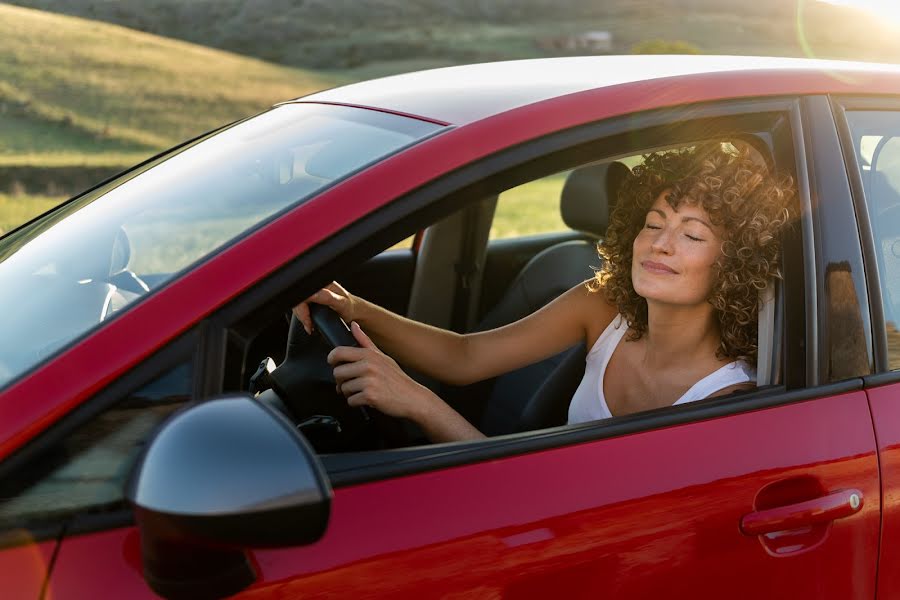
x=218, y=478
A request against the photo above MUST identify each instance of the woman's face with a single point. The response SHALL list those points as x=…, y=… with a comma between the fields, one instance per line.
x=674, y=254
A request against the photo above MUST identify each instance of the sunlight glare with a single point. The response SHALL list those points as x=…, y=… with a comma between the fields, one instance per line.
x=884, y=9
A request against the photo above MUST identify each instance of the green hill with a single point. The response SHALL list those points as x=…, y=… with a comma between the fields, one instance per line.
x=74, y=91
x=363, y=38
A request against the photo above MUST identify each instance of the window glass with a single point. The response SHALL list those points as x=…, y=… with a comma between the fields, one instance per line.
x=876, y=137
x=529, y=209
x=71, y=269
x=86, y=472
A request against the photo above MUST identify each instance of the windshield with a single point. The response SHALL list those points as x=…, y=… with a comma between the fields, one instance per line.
x=69, y=270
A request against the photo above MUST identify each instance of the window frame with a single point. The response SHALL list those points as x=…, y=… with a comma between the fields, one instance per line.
x=527, y=162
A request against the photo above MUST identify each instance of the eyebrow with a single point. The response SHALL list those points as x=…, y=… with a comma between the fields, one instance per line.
x=683, y=219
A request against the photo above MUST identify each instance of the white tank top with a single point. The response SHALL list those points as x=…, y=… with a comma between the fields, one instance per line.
x=588, y=403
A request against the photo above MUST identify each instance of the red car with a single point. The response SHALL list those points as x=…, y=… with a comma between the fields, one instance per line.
x=165, y=429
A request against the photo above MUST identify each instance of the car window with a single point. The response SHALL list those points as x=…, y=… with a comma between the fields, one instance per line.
x=529, y=209
x=305, y=381
x=535, y=207
x=876, y=138
x=67, y=271
x=85, y=473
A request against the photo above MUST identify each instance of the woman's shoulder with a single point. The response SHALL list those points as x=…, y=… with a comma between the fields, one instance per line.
x=595, y=311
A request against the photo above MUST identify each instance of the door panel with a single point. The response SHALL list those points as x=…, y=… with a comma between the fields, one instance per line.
x=652, y=513
x=99, y=565
x=23, y=569
x=885, y=405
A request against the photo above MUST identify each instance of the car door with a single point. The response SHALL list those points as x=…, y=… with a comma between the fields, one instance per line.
x=69, y=483
x=24, y=565
x=870, y=130
x=775, y=493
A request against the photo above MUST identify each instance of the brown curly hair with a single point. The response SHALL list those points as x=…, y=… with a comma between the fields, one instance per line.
x=742, y=197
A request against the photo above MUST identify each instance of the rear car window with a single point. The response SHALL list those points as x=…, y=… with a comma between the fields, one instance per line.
x=876, y=139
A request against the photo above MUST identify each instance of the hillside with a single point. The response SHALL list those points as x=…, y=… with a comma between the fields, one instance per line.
x=74, y=91
x=362, y=38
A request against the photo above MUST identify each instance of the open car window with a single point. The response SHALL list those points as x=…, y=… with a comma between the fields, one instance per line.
x=528, y=272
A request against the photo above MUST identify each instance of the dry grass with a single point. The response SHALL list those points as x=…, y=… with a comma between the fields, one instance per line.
x=18, y=209
x=125, y=91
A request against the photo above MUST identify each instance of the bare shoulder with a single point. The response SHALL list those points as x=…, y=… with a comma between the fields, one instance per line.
x=593, y=309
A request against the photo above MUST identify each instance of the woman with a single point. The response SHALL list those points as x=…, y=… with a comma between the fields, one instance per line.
x=672, y=312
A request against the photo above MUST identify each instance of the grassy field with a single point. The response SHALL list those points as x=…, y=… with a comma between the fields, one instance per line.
x=367, y=37
x=17, y=209
x=78, y=90
x=81, y=90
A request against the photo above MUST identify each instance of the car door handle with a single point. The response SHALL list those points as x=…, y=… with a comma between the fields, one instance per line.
x=836, y=505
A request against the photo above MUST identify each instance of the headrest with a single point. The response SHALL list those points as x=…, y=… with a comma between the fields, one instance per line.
x=589, y=196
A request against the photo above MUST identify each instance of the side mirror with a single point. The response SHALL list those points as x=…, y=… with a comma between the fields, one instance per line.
x=218, y=478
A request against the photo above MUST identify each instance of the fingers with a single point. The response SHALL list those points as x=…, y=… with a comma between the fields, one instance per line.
x=346, y=354
x=301, y=311
x=359, y=399
x=361, y=336
x=331, y=296
x=337, y=288
x=354, y=386
x=350, y=370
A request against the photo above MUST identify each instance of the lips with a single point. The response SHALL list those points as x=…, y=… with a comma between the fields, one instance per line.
x=659, y=268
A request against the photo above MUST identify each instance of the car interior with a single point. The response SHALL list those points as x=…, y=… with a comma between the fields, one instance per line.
x=457, y=276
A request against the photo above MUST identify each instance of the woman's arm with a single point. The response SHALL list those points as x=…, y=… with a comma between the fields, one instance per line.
x=462, y=359
x=366, y=376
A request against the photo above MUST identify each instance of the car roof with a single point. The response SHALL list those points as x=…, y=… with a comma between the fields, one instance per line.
x=463, y=94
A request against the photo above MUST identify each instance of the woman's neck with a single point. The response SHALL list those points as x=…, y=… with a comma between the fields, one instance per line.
x=678, y=334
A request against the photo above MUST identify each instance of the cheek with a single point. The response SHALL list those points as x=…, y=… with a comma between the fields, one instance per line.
x=705, y=263
x=641, y=241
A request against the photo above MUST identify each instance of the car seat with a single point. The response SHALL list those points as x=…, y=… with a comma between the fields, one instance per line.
x=587, y=199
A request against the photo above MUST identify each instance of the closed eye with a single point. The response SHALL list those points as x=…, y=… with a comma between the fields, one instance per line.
x=693, y=239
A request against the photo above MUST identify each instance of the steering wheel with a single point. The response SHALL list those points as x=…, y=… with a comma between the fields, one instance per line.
x=305, y=383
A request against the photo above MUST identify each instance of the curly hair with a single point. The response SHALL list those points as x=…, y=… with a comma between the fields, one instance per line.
x=742, y=197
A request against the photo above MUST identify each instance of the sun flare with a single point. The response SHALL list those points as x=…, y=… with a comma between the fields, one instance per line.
x=882, y=9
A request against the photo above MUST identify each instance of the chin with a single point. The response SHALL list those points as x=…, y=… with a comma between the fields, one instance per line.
x=664, y=295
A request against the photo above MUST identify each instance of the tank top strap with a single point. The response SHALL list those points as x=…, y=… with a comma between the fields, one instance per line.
x=610, y=337
x=731, y=374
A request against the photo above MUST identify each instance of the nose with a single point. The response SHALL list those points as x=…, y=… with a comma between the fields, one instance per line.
x=662, y=241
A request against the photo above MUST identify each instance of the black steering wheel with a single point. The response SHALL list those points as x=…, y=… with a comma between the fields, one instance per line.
x=305, y=383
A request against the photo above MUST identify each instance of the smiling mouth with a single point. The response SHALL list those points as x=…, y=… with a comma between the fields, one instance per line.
x=655, y=267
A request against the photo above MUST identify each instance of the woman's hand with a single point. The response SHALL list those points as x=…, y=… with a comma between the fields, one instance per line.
x=368, y=377
x=333, y=296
